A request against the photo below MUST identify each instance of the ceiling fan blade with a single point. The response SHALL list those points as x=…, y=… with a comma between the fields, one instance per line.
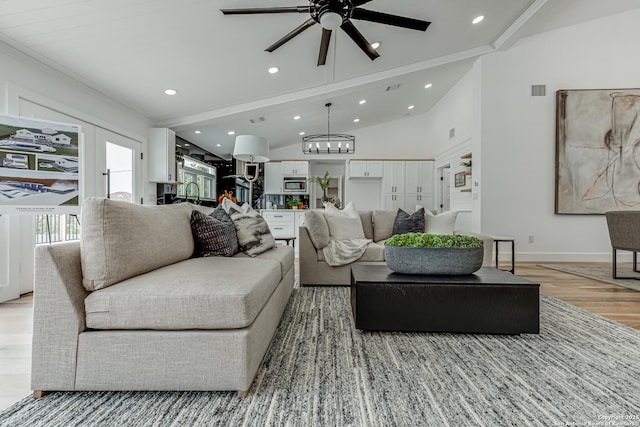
x=357, y=3
x=252, y=10
x=385, y=18
x=324, y=46
x=359, y=39
x=300, y=28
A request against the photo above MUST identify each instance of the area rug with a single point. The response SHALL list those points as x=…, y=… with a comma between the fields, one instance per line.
x=320, y=371
x=601, y=273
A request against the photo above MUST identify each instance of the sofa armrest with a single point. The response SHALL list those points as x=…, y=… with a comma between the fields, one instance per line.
x=58, y=315
x=487, y=243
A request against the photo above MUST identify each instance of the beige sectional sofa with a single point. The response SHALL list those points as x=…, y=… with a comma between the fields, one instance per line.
x=377, y=226
x=153, y=318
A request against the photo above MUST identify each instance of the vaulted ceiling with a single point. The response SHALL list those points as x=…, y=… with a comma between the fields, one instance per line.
x=132, y=50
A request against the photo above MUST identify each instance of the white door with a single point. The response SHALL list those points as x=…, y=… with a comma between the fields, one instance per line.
x=118, y=162
x=444, y=191
x=7, y=292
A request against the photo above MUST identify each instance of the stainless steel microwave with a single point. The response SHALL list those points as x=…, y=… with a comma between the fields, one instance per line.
x=294, y=185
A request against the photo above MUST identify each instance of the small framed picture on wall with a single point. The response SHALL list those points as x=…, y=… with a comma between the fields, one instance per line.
x=460, y=179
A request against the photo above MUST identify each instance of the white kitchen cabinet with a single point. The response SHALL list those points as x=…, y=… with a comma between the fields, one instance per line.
x=281, y=223
x=393, y=179
x=162, y=155
x=365, y=169
x=285, y=223
x=273, y=178
x=297, y=168
x=422, y=199
x=394, y=201
x=418, y=177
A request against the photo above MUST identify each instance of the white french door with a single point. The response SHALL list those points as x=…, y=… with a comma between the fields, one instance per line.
x=118, y=165
x=444, y=193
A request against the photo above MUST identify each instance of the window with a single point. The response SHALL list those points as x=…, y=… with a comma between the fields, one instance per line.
x=198, y=180
x=61, y=228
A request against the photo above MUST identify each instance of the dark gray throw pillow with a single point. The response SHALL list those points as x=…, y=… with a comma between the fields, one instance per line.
x=212, y=237
x=405, y=223
x=220, y=214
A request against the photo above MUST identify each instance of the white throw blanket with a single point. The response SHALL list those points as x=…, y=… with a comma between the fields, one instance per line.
x=342, y=252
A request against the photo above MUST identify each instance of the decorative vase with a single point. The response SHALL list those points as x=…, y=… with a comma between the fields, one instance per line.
x=435, y=261
x=324, y=196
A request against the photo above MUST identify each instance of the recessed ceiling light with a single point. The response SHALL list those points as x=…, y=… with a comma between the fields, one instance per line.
x=411, y=107
x=477, y=19
x=363, y=101
x=231, y=132
x=375, y=45
x=170, y=91
x=273, y=70
x=428, y=85
x=198, y=132
x=187, y=145
x=218, y=145
x=356, y=120
x=301, y=133
x=296, y=118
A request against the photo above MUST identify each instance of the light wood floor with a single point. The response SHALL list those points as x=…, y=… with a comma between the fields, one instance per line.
x=610, y=301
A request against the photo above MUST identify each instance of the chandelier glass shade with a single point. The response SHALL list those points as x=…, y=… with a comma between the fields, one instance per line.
x=329, y=143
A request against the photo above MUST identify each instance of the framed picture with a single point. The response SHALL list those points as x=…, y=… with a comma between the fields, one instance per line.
x=597, y=161
x=39, y=166
x=460, y=179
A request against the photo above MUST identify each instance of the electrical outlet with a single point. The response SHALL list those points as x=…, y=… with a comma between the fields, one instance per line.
x=530, y=238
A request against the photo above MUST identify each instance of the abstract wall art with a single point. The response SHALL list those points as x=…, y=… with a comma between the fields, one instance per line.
x=597, y=151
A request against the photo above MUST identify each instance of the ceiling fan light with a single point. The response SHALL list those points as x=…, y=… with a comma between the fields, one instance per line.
x=330, y=21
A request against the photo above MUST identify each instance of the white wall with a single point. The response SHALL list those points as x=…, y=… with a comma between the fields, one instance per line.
x=457, y=110
x=23, y=78
x=518, y=132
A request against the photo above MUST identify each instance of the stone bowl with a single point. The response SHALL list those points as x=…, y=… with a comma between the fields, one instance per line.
x=436, y=261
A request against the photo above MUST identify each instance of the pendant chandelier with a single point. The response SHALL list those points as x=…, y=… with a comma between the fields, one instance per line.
x=329, y=143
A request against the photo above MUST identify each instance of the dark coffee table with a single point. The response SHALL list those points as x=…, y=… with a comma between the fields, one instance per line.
x=490, y=301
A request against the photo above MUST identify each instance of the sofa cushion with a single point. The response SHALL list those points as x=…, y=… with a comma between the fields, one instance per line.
x=204, y=209
x=409, y=223
x=366, y=217
x=441, y=223
x=212, y=237
x=374, y=252
x=254, y=235
x=198, y=293
x=343, y=224
x=318, y=228
x=284, y=254
x=383, y=224
x=120, y=240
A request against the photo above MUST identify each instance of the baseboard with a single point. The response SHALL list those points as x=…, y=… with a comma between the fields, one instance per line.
x=566, y=257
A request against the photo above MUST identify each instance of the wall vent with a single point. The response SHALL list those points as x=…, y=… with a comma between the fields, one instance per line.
x=538, y=90
x=393, y=87
x=452, y=133
x=257, y=120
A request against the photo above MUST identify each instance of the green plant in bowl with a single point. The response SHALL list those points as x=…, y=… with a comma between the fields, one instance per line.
x=436, y=254
x=424, y=240
x=293, y=203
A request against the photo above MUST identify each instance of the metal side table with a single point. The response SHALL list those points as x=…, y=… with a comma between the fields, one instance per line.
x=503, y=239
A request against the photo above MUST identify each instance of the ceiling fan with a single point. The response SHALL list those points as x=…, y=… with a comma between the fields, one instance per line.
x=331, y=15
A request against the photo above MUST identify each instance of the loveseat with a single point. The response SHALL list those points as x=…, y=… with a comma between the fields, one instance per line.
x=129, y=308
x=377, y=226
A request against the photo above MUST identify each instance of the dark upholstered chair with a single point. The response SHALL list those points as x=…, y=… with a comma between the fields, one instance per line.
x=624, y=232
